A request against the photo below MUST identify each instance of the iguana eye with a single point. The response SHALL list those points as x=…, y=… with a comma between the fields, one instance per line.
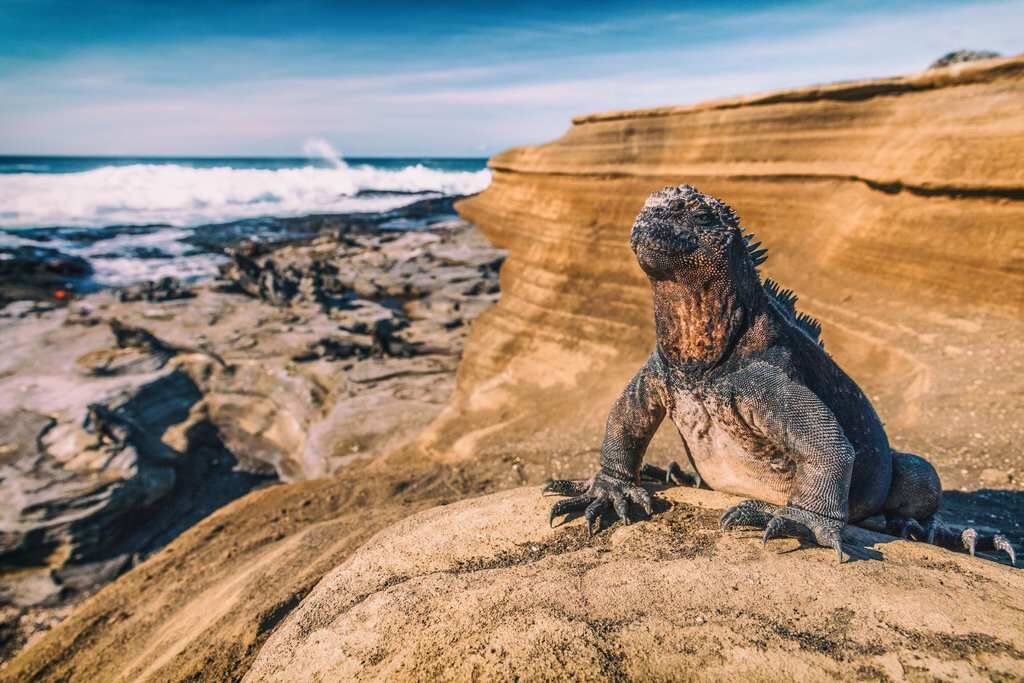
x=703, y=218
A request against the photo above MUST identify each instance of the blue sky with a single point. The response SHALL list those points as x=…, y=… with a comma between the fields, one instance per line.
x=452, y=79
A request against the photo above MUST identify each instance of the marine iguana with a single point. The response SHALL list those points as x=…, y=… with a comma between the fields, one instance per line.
x=116, y=431
x=129, y=337
x=763, y=411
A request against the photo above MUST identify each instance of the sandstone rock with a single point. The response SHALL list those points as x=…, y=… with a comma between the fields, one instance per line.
x=484, y=590
x=991, y=476
x=866, y=194
x=73, y=496
x=862, y=192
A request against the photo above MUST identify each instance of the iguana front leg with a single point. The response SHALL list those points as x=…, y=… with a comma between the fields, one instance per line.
x=633, y=419
x=791, y=418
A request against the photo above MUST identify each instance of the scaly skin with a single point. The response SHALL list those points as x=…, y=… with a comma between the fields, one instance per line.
x=764, y=412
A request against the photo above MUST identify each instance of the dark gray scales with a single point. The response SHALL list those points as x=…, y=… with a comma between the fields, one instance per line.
x=764, y=412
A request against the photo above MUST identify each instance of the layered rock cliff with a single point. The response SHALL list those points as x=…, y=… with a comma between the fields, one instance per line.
x=892, y=207
x=895, y=208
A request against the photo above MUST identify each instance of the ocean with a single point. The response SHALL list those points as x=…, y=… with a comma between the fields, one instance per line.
x=52, y=202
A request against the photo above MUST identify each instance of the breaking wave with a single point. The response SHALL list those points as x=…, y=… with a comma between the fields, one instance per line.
x=186, y=195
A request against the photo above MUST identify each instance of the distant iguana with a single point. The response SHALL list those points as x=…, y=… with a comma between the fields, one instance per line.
x=763, y=411
x=129, y=337
x=116, y=431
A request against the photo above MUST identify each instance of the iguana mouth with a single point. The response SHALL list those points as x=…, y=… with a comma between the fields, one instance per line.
x=664, y=244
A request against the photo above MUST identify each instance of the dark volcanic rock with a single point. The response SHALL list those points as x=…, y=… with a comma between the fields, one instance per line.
x=164, y=289
x=269, y=230
x=142, y=253
x=30, y=272
x=262, y=280
x=37, y=272
x=88, y=236
x=961, y=56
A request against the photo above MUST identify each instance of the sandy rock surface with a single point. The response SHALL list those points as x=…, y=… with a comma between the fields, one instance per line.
x=484, y=589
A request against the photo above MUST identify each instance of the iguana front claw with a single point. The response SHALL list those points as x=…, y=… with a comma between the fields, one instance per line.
x=565, y=487
x=595, y=496
x=783, y=522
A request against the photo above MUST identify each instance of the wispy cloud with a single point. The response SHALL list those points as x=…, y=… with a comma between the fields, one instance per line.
x=267, y=95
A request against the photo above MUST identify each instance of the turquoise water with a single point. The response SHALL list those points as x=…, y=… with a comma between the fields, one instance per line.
x=68, y=164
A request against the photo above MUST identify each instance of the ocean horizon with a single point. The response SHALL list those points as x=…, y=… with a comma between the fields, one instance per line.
x=73, y=163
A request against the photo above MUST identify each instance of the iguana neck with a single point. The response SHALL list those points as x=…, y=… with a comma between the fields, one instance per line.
x=700, y=326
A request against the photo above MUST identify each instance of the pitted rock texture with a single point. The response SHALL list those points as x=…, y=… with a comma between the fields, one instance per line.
x=484, y=590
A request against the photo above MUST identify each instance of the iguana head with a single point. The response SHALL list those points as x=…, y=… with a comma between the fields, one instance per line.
x=682, y=234
x=703, y=272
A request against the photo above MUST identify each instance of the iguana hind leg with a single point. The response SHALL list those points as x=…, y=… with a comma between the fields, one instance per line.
x=915, y=492
x=672, y=474
x=936, y=532
x=910, y=512
x=966, y=539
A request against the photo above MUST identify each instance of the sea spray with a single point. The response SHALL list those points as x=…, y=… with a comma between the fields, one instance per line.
x=318, y=148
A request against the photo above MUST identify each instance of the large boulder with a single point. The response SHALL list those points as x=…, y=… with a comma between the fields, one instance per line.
x=484, y=589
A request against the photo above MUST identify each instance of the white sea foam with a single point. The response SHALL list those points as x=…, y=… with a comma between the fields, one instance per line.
x=115, y=263
x=184, y=196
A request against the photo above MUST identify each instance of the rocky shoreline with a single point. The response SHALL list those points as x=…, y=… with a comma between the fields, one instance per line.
x=400, y=566
x=129, y=414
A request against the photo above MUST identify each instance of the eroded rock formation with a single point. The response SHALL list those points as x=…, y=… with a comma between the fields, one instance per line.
x=128, y=418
